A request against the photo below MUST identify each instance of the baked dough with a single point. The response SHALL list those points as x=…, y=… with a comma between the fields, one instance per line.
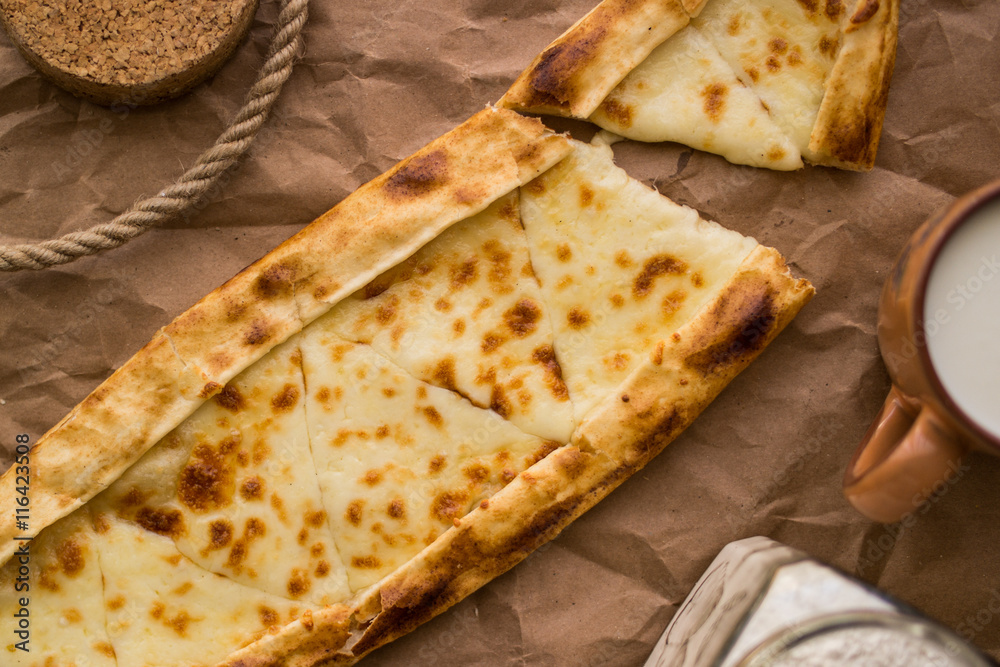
x=766, y=83
x=325, y=499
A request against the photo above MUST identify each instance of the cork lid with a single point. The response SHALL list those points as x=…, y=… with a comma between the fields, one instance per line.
x=127, y=51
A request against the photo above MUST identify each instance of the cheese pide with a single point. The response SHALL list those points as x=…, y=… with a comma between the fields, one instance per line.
x=389, y=410
x=767, y=83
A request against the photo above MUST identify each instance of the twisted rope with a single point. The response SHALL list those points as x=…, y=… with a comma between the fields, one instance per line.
x=196, y=181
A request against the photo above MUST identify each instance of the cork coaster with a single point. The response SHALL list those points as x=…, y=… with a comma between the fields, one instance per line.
x=127, y=51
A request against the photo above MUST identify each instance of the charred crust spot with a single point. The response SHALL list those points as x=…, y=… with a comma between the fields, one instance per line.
x=809, y=5
x=544, y=450
x=865, y=12
x=273, y=281
x=388, y=392
x=382, y=431
x=436, y=464
x=386, y=311
x=772, y=63
x=775, y=154
x=449, y=505
x=623, y=259
x=376, y=287
x=366, y=562
x=657, y=356
x=714, y=100
x=697, y=279
x=101, y=524
x=491, y=341
x=586, y=196
x=161, y=521
x=285, y=399
x=268, y=616
x=220, y=533
x=743, y=329
x=499, y=402
x=254, y=528
x=397, y=508
x=522, y=318
x=354, y=512
x=735, y=24
x=322, y=569
x=157, y=610
x=257, y=334
x=231, y=399
x=617, y=300
x=834, y=8
x=323, y=394
x=625, y=398
x=563, y=252
x=209, y=390
x=299, y=583
x=795, y=57
x=778, y=45
x=577, y=318
x=69, y=553
x=373, y=477
x=546, y=356
x=507, y=476
x=653, y=268
x=476, y=473
x=419, y=175
x=621, y=114
x=672, y=303
x=828, y=45
x=205, y=483
x=105, y=648
x=463, y=274
x=535, y=186
x=433, y=416
x=754, y=74
x=317, y=550
x=316, y=519
x=444, y=374
x=443, y=305
x=133, y=498
x=116, y=603
x=458, y=326
x=618, y=361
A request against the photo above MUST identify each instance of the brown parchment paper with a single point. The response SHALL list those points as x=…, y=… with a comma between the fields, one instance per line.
x=380, y=78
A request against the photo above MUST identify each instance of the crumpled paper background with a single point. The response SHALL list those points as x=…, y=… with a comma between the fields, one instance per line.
x=380, y=78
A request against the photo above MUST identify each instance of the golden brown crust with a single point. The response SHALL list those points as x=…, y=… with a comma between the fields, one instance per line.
x=615, y=440
x=849, y=124
x=577, y=71
x=663, y=396
x=192, y=358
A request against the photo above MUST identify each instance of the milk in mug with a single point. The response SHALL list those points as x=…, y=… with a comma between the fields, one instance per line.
x=962, y=317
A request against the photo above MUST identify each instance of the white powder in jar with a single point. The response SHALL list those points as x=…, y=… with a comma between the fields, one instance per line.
x=865, y=647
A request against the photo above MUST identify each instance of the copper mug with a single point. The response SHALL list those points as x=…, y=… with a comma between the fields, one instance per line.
x=934, y=414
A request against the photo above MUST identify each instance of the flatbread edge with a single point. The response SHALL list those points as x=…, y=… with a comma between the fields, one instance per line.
x=191, y=359
x=618, y=437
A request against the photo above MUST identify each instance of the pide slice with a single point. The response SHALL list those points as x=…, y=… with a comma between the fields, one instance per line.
x=163, y=609
x=235, y=488
x=385, y=457
x=760, y=83
x=621, y=267
x=465, y=313
x=399, y=460
x=53, y=599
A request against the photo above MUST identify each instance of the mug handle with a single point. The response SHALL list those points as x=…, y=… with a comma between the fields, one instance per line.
x=907, y=452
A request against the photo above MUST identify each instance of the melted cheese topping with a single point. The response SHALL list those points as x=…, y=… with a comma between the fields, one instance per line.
x=621, y=267
x=164, y=610
x=399, y=460
x=465, y=313
x=685, y=92
x=783, y=50
x=234, y=487
x=65, y=610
